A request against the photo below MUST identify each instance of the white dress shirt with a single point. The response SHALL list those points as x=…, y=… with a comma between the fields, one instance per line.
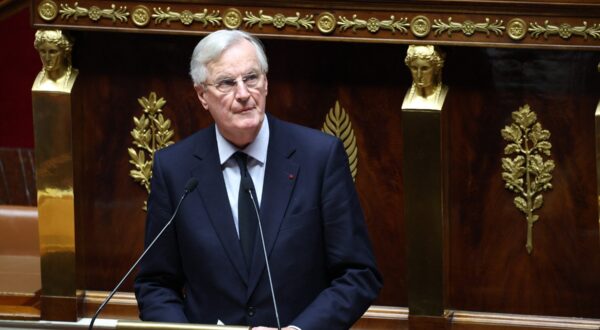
x=257, y=160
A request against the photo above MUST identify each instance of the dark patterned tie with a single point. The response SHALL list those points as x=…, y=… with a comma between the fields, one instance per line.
x=246, y=211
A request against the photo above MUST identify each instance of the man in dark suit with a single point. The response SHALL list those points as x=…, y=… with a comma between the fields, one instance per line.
x=209, y=266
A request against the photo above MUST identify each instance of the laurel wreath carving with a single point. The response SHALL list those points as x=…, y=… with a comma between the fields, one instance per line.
x=373, y=24
x=468, y=27
x=186, y=17
x=564, y=30
x=279, y=20
x=337, y=123
x=527, y=173
x=94, y=13
x=152, y=132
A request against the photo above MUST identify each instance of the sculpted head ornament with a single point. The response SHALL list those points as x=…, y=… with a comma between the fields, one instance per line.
x=54, y=48
x=425, y=63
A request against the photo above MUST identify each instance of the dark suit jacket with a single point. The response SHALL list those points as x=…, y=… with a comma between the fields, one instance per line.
x=323, y=269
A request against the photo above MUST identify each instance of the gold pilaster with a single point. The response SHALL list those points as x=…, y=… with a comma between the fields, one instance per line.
x=423, y=175
x=52, y=104
x=423, y=214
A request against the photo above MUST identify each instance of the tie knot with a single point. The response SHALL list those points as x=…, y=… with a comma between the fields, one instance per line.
x=242, y=161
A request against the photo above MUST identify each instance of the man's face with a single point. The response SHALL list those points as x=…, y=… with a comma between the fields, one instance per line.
x=422, y=72
x=239, y=112
x=51, y=56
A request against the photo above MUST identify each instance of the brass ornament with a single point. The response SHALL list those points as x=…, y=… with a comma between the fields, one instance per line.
x=232, y=18
x=516, y=29
x=420, y=26
x=186, y=17
x=94, y=13
x=48, y=10
x=564, y=30
x=57, y=74
x=279, y=20
x=140, y=15
x=152, y=132
x=527, y=174
x=468, y=27
x=337, y=123
x=373, y=24
x=326, y=22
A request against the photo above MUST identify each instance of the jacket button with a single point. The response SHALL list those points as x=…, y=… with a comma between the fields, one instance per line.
x=251, y=311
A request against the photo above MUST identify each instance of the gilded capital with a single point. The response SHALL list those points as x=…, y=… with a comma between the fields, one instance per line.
x=57, y=72
x=427, y=90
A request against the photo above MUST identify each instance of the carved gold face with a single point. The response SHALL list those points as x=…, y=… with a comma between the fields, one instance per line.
x=52, y=56
x=423, y=72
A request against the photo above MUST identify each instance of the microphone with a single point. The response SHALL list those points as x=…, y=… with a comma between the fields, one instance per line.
x=191, y=184
x=264, y=248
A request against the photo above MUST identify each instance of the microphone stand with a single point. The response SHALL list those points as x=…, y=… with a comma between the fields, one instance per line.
x=191, y=185
x=262, y=239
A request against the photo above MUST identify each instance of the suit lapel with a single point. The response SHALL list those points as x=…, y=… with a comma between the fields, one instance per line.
x=211, y=187
x=280, y=177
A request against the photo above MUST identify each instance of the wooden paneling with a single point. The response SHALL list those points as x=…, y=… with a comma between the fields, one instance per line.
x=489, y=267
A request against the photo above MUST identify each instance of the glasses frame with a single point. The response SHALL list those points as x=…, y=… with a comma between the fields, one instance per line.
x=224, y=88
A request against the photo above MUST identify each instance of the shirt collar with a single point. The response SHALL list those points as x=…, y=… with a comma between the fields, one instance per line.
x=257, y=149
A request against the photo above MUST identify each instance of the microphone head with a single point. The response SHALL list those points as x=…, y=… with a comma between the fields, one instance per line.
x=191, y=184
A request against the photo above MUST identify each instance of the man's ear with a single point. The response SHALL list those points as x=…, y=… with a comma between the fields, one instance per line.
x=266, y=85
x=201, y=92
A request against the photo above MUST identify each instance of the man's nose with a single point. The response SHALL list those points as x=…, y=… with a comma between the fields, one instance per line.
x=241, y=91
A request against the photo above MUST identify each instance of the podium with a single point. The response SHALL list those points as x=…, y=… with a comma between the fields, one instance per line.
x=344, y=62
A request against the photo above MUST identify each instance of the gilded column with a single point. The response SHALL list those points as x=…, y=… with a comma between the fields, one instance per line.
x=423, y=175
x=52, y=108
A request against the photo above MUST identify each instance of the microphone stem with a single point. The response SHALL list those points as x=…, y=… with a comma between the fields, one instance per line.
x=264, y=248
x=136, y=262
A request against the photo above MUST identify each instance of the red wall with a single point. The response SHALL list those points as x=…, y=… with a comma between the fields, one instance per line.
x=19, y=64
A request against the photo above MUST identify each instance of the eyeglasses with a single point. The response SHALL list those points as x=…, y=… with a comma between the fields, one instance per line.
x=226, y=85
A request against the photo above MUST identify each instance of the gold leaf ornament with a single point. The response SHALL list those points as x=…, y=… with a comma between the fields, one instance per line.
x=337, y=123
x=151, y=132
x=527, y=174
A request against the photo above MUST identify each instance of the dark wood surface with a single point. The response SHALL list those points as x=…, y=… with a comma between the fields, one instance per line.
x=489, y=267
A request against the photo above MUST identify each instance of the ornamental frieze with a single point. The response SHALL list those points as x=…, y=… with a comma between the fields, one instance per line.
x=467, y=27
x=564, y=30
x=405, y=27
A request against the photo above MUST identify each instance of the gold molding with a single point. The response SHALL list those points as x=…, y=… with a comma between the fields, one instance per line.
x=337, y=123
x=48, y=10
x=94, y=13
x=468, y=27
x=420, y=26
x=516, y=29
x=279, y=20
x=326, y=22
x=564, y=30
x=140, y=15
x=374, y=24
x=527, y=174
x=151, y=133
x=232, y=18
x=186, y=17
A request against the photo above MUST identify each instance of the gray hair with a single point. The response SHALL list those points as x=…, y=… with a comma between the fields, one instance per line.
x=213, y=45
